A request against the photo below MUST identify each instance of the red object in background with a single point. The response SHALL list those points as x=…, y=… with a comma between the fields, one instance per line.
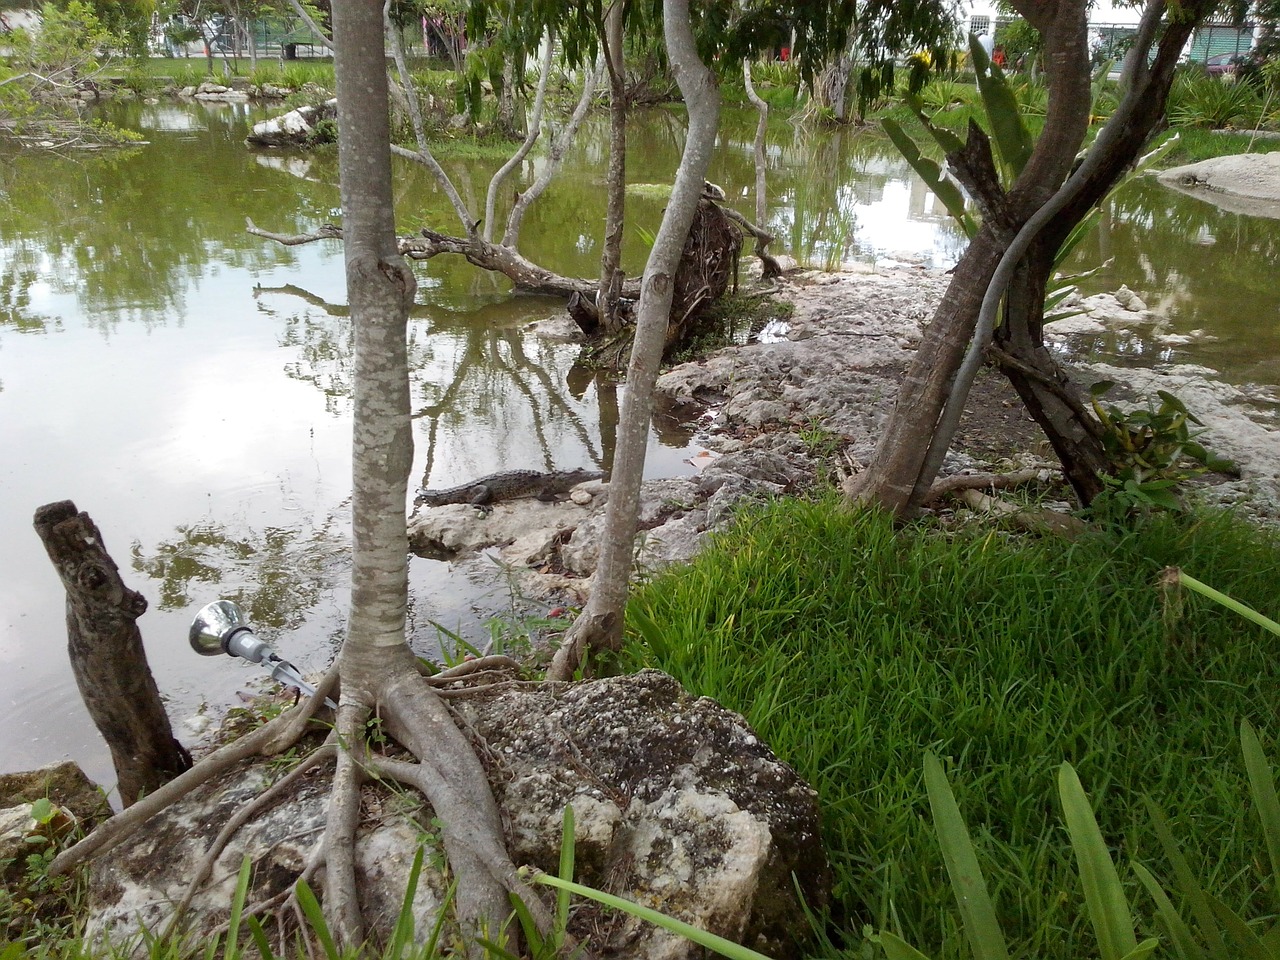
x=784, y=54
x=998, y=58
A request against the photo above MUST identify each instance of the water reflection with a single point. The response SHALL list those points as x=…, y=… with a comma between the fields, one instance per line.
x=1209, y=273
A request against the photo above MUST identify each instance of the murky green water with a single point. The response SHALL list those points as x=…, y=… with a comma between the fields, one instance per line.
x=188, y=384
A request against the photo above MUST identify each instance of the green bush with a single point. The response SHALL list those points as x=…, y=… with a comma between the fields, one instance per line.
x=1204, y=101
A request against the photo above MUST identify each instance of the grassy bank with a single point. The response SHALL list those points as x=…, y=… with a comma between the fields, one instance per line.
x=853, y=649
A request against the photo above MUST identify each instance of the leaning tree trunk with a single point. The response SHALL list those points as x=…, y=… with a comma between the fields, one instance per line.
x=599, y=626
x=107, y=658
x=899, y=472
x=1050, y=396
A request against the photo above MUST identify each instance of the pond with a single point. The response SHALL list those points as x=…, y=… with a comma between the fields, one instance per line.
x=188, y=384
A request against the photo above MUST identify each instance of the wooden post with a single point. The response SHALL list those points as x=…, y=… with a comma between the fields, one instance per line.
x=106, y=653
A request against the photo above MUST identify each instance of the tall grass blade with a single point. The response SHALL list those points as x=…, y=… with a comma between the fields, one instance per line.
x=703, y=938
x=981, y=927
x=1184, y=942
x=259, y=938
x=895, y=948
x=237, y=908
x=1201, y=909
x=437, y=929
x=1262, y=786
x=403, y=934
x=315, y=918
x=1103, y=894
x=568, y=840
x=1252, y=948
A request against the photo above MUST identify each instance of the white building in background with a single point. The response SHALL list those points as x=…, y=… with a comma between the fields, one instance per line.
x=1110, y=23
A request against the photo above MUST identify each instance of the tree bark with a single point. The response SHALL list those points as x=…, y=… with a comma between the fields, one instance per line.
x=375, y=662
x=107, y=657
x=900, y=471
x=609, y=288
x=599, y=626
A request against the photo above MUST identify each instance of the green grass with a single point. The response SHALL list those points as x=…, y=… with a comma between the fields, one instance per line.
x=853, y=649
x=1196, y=144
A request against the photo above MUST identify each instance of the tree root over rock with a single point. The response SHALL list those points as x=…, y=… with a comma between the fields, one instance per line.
x=444, y=768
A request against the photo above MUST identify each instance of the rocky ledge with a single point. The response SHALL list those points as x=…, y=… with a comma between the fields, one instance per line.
x=808, y=399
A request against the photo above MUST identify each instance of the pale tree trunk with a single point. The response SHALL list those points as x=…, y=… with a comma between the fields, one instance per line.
x=616, y=177
x=762, y=127
x=599, y=626
x=375, y=662
x=554, y=156
x=530, y=138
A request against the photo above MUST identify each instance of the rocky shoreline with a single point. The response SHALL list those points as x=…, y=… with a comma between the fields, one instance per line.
x=806, y=402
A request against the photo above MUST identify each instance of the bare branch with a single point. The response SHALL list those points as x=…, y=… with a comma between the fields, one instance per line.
x=558, y=148
x=311, y=24
x=327, y=231
x=531, y=137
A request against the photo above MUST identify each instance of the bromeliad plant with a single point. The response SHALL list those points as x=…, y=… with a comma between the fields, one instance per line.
x=1154, y=448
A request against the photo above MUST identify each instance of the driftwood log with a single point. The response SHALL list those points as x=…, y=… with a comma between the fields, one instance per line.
x=106, y=653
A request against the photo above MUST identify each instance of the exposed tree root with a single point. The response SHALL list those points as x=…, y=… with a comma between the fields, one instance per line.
x=949, y=486
x=445, y=770
x=242, y=816
x=119, y=827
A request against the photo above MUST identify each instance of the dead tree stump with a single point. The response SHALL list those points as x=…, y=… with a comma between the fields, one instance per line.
x=107, y=658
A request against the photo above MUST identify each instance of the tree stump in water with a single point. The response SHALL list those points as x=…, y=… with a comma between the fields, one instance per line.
x=708, y=264
x=107, y=658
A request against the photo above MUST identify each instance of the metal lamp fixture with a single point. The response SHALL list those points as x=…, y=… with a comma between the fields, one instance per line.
x=222, y=627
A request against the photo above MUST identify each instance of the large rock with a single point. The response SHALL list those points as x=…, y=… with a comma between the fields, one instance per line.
x=677, y=804
x=292, y=129
x=77, y=802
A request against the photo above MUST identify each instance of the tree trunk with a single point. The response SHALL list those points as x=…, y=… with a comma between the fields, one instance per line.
x=897, y=477
x=107, y=657
x=1052, y=399
x=616, y=178
x=375, y=663
x=599, y=626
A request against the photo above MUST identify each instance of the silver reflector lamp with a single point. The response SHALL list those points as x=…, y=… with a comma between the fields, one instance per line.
x=222, y=627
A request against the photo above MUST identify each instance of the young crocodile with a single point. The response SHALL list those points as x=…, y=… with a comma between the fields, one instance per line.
x=508, y=485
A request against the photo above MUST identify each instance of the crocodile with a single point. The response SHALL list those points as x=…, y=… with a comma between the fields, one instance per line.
x=508, y=485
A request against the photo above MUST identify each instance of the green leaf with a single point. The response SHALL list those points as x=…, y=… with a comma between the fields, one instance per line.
x=703, y=938
x=1185, y=946
x=895, y=948
x=1245, y=938
x=1104, y=896
x=1101, y=387
x=1011, y=136
x=1262, y=786
x=43, y=810
x=403, y=934
x=568, y=842
x=237, y=909
x=259, y=938
x=1217, y=596
x=981, y=927
x=931, y=174
x=1192, y=892
x=1141, y=950
x=315, y=918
